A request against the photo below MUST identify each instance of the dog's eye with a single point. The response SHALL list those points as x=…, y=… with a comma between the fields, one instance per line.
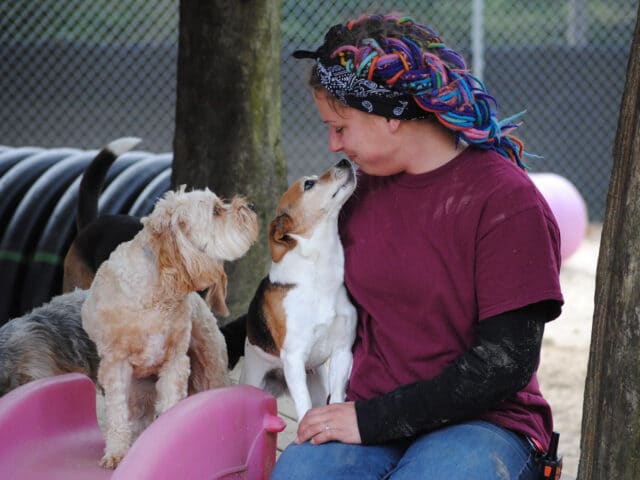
x=309, y=184
x=217, y=210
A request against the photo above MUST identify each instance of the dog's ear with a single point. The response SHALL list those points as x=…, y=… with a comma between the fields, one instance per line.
x=158, y=221
x=177, y=257
x=189, y=261
x=216, y=296
x=161, y=219
x=279, y=240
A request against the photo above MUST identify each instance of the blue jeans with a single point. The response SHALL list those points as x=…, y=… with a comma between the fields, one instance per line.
x=474, y=450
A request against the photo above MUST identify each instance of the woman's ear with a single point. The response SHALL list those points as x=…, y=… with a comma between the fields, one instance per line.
x=393, y=124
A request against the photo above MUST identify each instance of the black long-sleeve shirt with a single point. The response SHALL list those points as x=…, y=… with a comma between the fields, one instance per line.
x=500, y=363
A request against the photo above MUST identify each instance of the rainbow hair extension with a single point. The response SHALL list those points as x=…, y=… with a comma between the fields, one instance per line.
x=434, y=77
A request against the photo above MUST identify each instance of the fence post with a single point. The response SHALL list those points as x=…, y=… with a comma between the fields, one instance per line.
x=477, y=38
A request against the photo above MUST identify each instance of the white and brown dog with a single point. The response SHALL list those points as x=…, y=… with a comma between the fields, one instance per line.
x=143, y=300
x=301, y=316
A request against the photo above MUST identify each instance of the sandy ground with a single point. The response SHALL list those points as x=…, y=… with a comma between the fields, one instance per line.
x=565, y=348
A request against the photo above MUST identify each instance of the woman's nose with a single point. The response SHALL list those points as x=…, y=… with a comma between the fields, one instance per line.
x=335, y=145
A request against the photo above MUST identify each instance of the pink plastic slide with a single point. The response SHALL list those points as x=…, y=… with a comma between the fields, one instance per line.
x=49, y=430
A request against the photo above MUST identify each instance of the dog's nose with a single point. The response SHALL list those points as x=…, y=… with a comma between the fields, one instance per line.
x=251, y=206
x=344, y=163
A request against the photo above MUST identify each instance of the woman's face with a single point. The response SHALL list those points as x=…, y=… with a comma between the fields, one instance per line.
x=366, y=139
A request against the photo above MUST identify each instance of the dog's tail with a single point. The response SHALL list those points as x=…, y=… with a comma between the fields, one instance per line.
x=94, y=176
x=234, y=334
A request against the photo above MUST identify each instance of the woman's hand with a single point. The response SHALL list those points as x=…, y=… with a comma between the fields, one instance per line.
x=335, y=422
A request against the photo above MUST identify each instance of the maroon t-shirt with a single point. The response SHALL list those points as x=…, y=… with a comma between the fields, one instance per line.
x=429, y=256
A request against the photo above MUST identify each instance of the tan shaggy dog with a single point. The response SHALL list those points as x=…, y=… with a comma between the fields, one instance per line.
x=143, y=301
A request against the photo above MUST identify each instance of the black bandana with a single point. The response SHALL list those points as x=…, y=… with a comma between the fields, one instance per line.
x=366, y=95
x=360, y=93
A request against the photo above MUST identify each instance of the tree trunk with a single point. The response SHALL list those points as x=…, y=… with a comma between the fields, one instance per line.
x=610, y=446
x=227, y=133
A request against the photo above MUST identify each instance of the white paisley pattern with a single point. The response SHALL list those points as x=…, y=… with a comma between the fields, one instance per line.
x=359, y=92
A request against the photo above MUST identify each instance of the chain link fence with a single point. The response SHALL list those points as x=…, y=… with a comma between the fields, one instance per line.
x=79, y=73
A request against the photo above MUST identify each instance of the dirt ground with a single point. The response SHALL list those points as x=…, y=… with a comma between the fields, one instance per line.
x=565, y=348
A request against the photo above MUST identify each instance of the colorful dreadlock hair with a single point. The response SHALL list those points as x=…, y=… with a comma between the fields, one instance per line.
x=389, y=64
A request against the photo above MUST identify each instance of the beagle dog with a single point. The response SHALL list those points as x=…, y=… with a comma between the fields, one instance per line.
x=97, y=236
x=301, y=318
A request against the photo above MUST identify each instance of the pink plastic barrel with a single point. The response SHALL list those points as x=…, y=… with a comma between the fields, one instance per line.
x=49, y=430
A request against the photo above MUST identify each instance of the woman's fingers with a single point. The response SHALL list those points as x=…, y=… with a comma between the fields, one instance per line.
x=335, y=422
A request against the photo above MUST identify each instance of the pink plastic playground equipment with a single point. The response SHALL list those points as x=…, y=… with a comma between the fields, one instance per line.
x=49, y=429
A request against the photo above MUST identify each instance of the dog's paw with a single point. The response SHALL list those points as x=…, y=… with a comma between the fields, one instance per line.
x=110, y=460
